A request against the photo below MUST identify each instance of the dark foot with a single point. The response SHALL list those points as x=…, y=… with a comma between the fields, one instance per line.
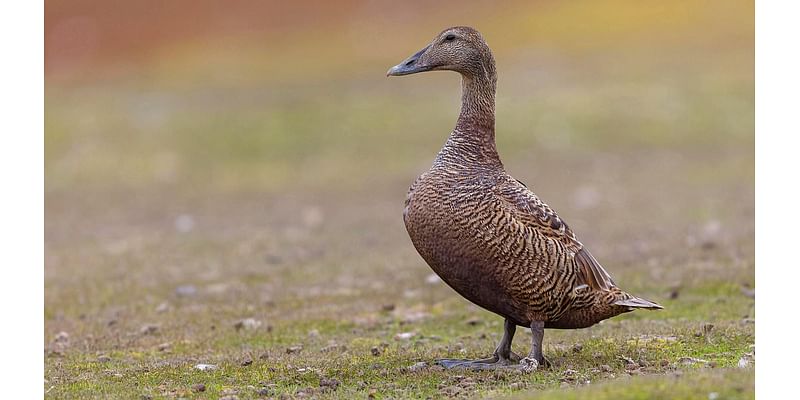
x=503, y=356
x=486, y=363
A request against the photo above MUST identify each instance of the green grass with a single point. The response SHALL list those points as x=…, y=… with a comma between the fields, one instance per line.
x=341, y=349
x=682, y=385
x=598, y=359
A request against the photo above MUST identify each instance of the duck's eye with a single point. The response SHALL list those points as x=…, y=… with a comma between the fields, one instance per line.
x=450, y=37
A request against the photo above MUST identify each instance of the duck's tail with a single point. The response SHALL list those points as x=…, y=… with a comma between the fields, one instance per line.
x=636, y=302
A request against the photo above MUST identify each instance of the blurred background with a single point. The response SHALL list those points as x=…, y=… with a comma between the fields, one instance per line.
x=269, y=95
x=252, y=155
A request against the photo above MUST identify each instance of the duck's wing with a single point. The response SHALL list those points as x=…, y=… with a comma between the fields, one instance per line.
x=526, y=208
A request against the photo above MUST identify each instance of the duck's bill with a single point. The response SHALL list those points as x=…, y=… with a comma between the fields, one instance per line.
x=410, y=65
x=400, y=70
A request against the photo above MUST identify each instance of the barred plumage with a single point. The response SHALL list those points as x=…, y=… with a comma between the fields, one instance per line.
x=485, y=233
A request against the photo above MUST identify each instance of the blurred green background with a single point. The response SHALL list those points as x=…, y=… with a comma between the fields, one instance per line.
x=276, y=96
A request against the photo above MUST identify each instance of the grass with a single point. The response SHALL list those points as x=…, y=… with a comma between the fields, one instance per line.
x=177, y=208
x=333, y=349
x=695, y=385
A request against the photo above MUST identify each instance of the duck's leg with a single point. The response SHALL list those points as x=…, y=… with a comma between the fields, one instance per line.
x=503, y=356
x=535, y=359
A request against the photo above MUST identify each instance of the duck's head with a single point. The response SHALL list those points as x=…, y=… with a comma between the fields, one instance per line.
x=461, y=49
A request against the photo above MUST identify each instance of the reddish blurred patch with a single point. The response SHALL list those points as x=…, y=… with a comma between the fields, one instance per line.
x=80, y=34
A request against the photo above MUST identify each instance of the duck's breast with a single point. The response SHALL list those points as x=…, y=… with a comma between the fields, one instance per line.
x=449, y=220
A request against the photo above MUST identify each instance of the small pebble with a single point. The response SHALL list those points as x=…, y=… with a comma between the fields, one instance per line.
x=104, y=358
x=333, y=347
x=418, y=366
x=329, y=384
x=691, y=360
x=375, y=351
x=186, y=290
x=294, y=349
x=570, y=374
x=628, y=360
x=205, y=367
x=199, y=388
x=743, y=363
x=273, y=259
x=247, y=324
x=148, y=329
x=404, y=336
x=246, y=362
x=184, y=223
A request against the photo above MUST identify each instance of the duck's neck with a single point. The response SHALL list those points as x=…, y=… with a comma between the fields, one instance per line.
x=472, y=140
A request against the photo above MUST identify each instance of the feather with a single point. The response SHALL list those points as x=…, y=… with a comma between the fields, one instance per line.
x=590, y=272
x=636, y=302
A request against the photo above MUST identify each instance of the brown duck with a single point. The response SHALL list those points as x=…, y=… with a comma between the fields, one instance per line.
x=486, y=234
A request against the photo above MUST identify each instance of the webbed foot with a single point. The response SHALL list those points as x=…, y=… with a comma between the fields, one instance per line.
x=494, y=362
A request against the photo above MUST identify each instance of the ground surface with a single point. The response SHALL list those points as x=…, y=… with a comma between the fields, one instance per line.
x=257, y=228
